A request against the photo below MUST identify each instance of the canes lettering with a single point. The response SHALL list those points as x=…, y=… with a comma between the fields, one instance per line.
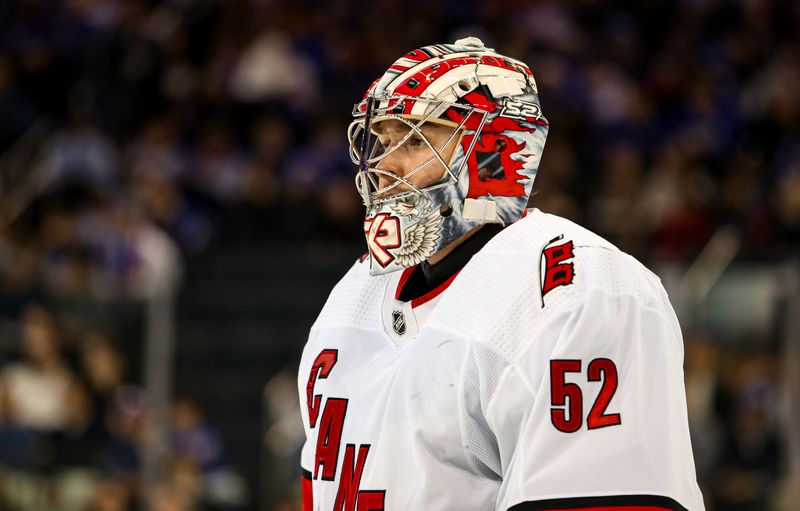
x=321, y=368
x=329, y=440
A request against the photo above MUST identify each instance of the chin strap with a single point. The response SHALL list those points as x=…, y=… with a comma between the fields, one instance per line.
x=481, y=211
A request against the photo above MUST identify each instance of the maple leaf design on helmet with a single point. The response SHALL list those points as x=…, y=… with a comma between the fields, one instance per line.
x=420, y=241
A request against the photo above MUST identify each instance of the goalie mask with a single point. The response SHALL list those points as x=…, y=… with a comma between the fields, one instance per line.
x=471, y=121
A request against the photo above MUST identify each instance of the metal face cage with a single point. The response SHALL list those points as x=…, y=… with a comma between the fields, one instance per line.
x=367, y=152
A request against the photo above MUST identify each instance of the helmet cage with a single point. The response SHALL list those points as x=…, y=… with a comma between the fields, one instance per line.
x=367, y=152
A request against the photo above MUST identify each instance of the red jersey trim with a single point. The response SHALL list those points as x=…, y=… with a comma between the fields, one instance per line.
x=306, y=491
x=607, y=503
x=430, y=295
x=434, y=293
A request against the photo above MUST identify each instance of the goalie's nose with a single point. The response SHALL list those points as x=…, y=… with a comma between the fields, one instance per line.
x=392, y=167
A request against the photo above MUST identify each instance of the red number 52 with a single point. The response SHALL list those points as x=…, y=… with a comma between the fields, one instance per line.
x=566, y=399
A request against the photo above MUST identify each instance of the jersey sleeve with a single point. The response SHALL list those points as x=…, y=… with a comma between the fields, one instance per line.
x=592, y=413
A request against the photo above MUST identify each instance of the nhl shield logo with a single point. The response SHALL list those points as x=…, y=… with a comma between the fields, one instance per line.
x=399, y=322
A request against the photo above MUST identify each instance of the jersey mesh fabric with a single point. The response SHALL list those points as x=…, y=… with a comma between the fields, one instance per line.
x=507, y=273
x=598, y=266
x=359, y=288
x=511, y=318
x=499, y=373
x=482, y=371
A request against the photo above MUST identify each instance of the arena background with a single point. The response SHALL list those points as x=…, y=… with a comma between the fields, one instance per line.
x=176, y=201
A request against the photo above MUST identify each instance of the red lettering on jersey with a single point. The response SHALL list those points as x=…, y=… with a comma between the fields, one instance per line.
x=383, y=233
x=605, y=370
x=371, y=500
x=320, y=369
x=348, y=497
x=566, y=398
x=351, y=478
x=329, y=438
x=556, y=271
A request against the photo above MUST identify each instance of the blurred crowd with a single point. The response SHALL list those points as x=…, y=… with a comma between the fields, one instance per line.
x=163, y=128
x=72, y=428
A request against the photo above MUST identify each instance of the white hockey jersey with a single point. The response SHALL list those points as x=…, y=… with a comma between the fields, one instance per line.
x=546, y=374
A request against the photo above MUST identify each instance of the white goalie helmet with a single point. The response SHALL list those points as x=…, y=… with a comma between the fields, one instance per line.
x=485, y=161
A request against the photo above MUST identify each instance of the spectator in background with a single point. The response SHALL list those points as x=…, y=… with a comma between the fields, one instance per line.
x=16, y=443
x=702, y=390
x=156, y=151
x=102, y=367
x=20, y=281
x=270, y=137
x=750, y=456
x=170, y=498
x=271, y=69
x=216, y=165
x=199, y=470
x=618, y=212
x=192, y=437
x=111, y=495
x=38, y=386
x=163, y=203
x=125, y=422
x=74, y=449
x=82, y=154
x=317, y=177
x=787, y=225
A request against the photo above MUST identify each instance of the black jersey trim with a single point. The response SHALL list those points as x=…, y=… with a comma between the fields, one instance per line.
x=306, y=474
x=622, y=501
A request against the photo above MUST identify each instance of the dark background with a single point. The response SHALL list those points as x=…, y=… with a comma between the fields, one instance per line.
x=140, y=140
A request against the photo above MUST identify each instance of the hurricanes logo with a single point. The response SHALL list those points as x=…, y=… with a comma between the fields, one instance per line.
x=556, y=267
x=382, y=232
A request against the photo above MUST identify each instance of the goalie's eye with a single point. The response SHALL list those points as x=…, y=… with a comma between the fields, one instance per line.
x=383, y=143
x=416, y=142
x=413, y=142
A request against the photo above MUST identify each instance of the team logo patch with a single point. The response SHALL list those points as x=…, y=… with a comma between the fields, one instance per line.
x=399, y=322
x=383, y=233
x=556, y=269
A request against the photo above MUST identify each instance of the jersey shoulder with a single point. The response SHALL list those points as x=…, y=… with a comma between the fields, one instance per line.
x=541, y=267
x=352, y=301
x=538, y=228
